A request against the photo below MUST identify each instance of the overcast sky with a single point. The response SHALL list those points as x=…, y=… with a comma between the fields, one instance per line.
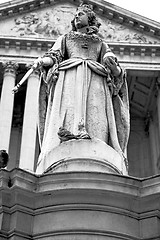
x=146, y=8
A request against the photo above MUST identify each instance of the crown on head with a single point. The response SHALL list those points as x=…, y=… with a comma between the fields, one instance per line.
x=85, y=7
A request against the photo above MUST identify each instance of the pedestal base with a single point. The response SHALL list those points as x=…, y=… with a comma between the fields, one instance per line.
x=82, y=155
x=78, y=206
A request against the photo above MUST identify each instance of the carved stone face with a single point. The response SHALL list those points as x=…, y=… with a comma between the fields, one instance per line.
x=81, y=19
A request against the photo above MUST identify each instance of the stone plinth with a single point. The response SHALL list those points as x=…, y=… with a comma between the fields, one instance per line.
x=82, y=155
x=78, y=206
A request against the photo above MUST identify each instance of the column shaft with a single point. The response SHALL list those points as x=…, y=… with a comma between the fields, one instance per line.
x=29, y=131
x=158, y=109
x=6, y=104
x=158, y=114
x=154, y=156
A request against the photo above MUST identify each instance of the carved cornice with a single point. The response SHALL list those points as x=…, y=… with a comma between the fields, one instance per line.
x=17, y=7
x=101, y=7
x=25, y=43
x=127, y=49
x=136, y=49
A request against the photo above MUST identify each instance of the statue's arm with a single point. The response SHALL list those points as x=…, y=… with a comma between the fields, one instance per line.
x=110, y=61
x=45, y=61
x=54, y=55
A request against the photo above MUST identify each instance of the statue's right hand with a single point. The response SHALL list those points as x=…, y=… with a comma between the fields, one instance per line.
x=38, y=63
x=43, y=61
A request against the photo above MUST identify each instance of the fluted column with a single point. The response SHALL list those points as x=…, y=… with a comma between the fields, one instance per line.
x=29, y=131
x=6, y=103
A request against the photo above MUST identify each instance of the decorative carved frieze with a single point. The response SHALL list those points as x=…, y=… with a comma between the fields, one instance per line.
x=102, y=8
x=51, y=23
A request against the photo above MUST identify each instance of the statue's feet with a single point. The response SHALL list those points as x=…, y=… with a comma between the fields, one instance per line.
x=65, y=135
x=83, y=135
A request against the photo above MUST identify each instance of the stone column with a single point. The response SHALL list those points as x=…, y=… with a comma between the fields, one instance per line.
x=6, y=103
x=152, y=139
x=29, y=131
x=158, y=102
x=158, y=113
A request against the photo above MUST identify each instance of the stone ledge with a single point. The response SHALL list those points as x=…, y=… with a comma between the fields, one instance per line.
x=22, y=179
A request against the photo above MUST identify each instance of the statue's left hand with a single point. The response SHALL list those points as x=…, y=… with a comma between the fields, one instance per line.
x=112, y=65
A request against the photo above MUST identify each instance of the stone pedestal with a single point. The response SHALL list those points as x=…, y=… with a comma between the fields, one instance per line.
x=82, y=155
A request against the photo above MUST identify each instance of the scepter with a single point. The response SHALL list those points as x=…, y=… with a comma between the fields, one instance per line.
x=45, y=61
x=25, y=77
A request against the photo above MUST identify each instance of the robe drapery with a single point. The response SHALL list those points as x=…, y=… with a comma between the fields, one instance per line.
x=79, y=87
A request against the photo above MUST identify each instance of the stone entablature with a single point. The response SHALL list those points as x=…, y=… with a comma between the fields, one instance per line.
x=40, y=45
x=83, y=205
x=25, y=43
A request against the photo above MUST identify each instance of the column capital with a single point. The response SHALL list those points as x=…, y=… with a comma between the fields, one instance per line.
x=10, y=66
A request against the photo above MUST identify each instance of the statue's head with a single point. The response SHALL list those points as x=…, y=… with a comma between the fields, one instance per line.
x=85, y=16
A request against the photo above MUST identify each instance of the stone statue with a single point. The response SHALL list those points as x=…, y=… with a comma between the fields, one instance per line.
x=83, y=92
